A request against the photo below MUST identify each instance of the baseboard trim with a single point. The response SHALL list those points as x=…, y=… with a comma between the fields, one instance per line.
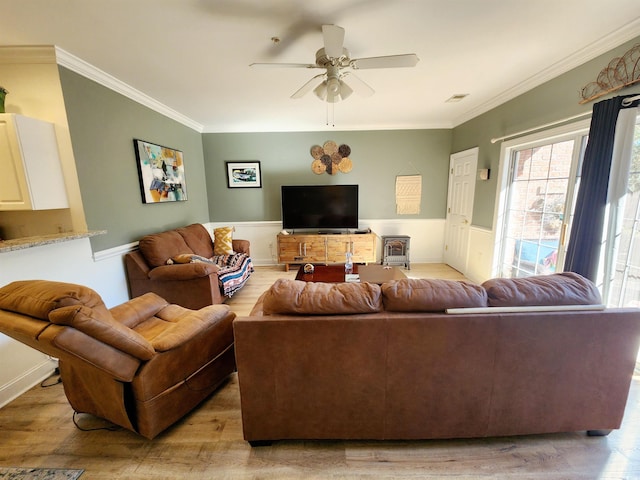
x=30, y=378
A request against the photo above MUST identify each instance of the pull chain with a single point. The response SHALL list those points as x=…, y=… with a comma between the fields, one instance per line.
x=333, y=116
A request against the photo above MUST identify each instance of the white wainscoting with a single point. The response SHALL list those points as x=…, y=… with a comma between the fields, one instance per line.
x=427, y=237
x=480, y=254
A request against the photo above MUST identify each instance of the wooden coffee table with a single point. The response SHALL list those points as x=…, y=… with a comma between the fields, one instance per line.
x=372, y=273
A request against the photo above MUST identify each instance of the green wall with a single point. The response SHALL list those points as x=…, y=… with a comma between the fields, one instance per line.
x=285, y=159
x=554, y=100
x=102, y=125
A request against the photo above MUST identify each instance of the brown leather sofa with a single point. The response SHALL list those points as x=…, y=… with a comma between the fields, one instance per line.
x=432, y=359
x=192, y=285
x=141, y=365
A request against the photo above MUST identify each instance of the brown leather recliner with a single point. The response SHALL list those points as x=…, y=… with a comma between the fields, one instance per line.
x=142, y=365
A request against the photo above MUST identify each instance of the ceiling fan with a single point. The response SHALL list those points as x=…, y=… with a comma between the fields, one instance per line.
x=335, y=59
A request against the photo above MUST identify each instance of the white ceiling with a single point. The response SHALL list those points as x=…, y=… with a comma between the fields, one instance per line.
x=193, y=56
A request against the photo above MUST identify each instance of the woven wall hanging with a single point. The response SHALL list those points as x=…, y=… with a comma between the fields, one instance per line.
x=408, y=194
x=331, y=158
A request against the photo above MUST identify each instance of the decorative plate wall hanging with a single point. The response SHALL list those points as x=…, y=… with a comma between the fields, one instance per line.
x=331, y=158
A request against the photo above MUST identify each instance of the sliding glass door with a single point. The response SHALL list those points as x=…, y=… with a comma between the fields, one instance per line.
x=540, y=193
x=624, y=288
x=535, y=211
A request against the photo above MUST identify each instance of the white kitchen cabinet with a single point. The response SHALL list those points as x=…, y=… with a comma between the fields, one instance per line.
x=30, y=170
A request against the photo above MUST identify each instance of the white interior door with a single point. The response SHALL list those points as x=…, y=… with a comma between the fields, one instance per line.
x=462, y=184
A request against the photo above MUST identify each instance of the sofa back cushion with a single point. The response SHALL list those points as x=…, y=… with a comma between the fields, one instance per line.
x=431, y=295
x=565, y=288
x=295, y=297
x=160, y=247
x=198, y=239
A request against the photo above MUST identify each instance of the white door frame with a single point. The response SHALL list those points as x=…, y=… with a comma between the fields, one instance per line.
x=458, y=223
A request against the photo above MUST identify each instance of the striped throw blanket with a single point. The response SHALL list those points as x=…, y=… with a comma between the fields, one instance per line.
x=234, y=271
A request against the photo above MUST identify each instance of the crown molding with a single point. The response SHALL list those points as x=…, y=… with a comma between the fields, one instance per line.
x=87, y=70
x=624, y=34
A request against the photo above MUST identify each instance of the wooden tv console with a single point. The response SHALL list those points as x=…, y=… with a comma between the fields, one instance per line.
x=327, y=248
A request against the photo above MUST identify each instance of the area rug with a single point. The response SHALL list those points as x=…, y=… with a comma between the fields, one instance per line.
x=16, y=473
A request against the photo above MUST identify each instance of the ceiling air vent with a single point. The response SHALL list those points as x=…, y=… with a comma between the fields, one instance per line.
x=456, y=97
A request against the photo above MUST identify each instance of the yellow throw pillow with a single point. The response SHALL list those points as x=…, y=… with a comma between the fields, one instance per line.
x=222, y=241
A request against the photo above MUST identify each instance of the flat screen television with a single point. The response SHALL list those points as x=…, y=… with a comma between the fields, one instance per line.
x=319, y=207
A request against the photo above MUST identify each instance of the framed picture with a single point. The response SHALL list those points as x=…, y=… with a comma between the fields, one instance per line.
x=161, y=173
x=244, y=175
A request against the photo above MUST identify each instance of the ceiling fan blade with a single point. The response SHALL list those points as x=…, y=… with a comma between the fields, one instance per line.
x=359, y=86
x=391, y=61
x=284, y=65
x=333, y=40
x=302, y=91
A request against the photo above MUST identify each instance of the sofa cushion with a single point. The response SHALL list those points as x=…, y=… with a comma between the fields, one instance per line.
x=431, y=295
x=308, y=298
x=37, y=298
x=198, y=239
x=160, y=247
x=177, y=333
x=567, y=288
x=223, y=241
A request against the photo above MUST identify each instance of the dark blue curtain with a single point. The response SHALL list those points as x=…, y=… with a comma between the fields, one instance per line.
x=583, y=251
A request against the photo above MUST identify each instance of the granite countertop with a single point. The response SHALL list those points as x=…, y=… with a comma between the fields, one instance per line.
x=39, y=240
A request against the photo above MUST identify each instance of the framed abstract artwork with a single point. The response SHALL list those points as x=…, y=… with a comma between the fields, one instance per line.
x=161, y=173
x=244, y=174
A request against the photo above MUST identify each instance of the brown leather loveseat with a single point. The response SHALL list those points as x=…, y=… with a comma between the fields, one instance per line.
x=142, y=365
x=427, y=359
x=194, y=284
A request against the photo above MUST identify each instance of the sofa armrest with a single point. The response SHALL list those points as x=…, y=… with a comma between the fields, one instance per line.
x=111, y=360
x=241, y=246
x=136, y=264
x=182, y=271
x=138, y=309
x=186, y=328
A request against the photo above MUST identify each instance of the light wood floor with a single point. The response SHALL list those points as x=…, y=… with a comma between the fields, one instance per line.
x=37, y=430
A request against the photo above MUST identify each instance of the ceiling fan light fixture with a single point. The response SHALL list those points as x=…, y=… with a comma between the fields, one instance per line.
x=333, y=90
x=333, y=98
x=321, y=91
x=345, y=90
x=333, y=86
